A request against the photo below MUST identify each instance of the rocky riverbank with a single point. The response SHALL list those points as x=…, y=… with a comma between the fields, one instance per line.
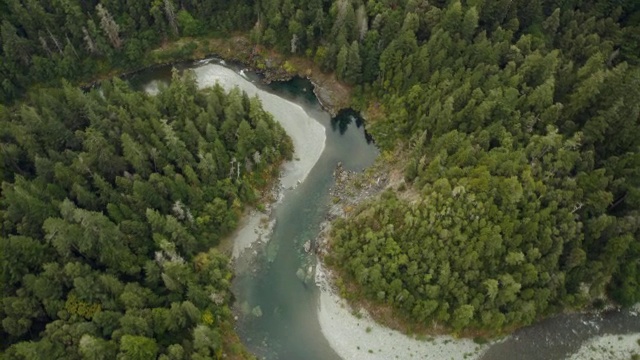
x=308, y=137
x=350, y=189
x=612, y=347
x=272, y=65
x=350, y=329
x=332, y=95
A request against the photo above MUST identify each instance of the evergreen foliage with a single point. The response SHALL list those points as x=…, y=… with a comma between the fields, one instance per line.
x=43, y=41
x=519, y=119
x=112, y=203
x=521, y=134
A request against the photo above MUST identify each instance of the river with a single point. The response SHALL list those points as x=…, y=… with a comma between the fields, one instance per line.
x=276, y=298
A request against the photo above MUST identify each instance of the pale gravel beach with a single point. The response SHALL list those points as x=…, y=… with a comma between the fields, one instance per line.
x=254, y=227
x=344, y=331
x=360, y=337
x=307, y=134
x=308, y=138
x=609, y=347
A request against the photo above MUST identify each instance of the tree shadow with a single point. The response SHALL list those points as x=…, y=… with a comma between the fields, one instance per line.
x=344, y=118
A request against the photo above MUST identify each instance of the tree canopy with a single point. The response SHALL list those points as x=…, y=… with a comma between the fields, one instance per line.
x=519, y=126
x=112, y=203
x=518, y=119
x=42, y=42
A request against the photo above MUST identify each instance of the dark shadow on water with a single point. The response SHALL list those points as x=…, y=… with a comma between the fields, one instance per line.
x=344, y=118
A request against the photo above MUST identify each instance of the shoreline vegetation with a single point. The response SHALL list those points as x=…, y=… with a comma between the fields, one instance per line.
x=349, y=332
x=334, y=96
x=521, y=164
x=336, y=304
x=336, y=321
x=371, y=330
x=308, y=139
x=274, y=66
x=355, y=327
x=255, y=227
x=356, y=189
x=173, y=298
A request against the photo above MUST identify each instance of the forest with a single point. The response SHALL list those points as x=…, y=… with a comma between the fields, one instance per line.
x=42, y=41
x=520, y=126
x=517, y=121
x=112, y=203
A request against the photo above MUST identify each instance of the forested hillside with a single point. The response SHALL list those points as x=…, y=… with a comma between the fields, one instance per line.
x=518, y=120
x=112, y=202
x=519, y=123
x=43, y=41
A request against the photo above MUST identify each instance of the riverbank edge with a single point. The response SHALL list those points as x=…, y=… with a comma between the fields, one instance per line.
x=277, y=67
x=257, y=219
x=326, y=86
x=353, y=326
x=332, y=94
x=351, y=190
x=614, y=347
x=308, y=138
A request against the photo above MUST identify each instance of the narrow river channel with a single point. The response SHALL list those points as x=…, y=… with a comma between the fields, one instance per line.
x=276, y=297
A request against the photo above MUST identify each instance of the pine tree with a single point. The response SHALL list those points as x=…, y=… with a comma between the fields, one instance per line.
x=109, y=26
x=170, y=13
x=353, y=67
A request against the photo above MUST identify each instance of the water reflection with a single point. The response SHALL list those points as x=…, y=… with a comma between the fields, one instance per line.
x=344, y=118
x=287, y=327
